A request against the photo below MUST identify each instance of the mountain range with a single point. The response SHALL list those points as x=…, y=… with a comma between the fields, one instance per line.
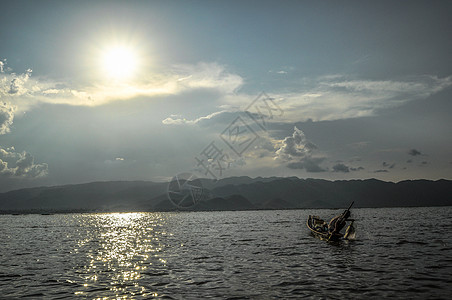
x=234, y=193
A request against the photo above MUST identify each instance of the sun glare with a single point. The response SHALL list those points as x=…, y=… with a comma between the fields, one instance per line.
x=119, y=62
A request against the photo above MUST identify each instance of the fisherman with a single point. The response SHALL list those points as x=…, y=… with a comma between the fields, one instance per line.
x=321, y=226
x=338, y=222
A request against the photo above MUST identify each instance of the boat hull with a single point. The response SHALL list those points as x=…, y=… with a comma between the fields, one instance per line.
x=314, y=225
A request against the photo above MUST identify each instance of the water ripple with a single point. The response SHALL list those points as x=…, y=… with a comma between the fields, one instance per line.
x=228, y=255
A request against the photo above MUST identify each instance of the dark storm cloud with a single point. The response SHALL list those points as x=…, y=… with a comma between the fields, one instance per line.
x=387, y=165
x=414, y=152
x=341, y=168
x=311, y=164
x=356, y=169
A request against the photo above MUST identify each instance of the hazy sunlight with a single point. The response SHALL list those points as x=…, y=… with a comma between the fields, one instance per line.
x=119, y=62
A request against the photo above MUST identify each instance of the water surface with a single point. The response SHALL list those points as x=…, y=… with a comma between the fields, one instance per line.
x=399, y=252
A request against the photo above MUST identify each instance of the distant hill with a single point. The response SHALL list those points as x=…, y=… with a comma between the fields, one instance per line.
x=234, y=193
x=317, y=193
x=95, y=196
x=234, y=202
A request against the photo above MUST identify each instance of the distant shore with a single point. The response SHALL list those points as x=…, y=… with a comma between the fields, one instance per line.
x=229, y=194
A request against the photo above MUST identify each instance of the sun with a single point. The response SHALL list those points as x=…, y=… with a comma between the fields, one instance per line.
x=119, y=62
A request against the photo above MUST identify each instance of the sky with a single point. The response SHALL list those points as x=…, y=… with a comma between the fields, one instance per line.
x=145, y=90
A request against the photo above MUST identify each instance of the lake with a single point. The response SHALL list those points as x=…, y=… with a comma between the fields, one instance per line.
x=398, y=253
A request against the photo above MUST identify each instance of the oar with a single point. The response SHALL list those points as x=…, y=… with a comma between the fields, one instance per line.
x=351, y=204
x=350, y=230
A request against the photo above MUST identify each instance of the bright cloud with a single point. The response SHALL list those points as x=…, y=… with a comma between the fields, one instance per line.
x=6, y=117
x=324, y=98
x=207, y=75
x=331, y=98
x=25, y=91
x=15, y=164
x=299, y=153
x=178, y=120
x=334, y=98
x=20, y=164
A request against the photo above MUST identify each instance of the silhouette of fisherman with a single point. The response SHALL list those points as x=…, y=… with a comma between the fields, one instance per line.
x=338, y=222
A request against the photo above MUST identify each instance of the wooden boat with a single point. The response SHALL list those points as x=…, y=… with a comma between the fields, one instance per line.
x=319, y=228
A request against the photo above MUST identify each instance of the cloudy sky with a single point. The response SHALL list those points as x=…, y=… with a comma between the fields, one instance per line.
x=110, y=90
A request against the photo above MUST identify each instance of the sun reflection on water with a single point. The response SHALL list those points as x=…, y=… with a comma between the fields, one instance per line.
x=120, y=247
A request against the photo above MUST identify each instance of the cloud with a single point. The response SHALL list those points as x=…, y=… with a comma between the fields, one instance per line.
x=220, y=118
x=6, y=117
x=26, y=91
x=325, y=98
x=381, y=171
x=175, y=80
x=117, y=161
x=17, y=85
x=395, y=91
x=356, y=169
x=387, y=165
x=20, y=164
x=310, y=164
x=207, y=75
x=331, y=98
x=295, y=146
x=341, y=168
x=414, y=152
x=15, y=164
x=322, y=98
x=178, y=120
x=299, y=152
